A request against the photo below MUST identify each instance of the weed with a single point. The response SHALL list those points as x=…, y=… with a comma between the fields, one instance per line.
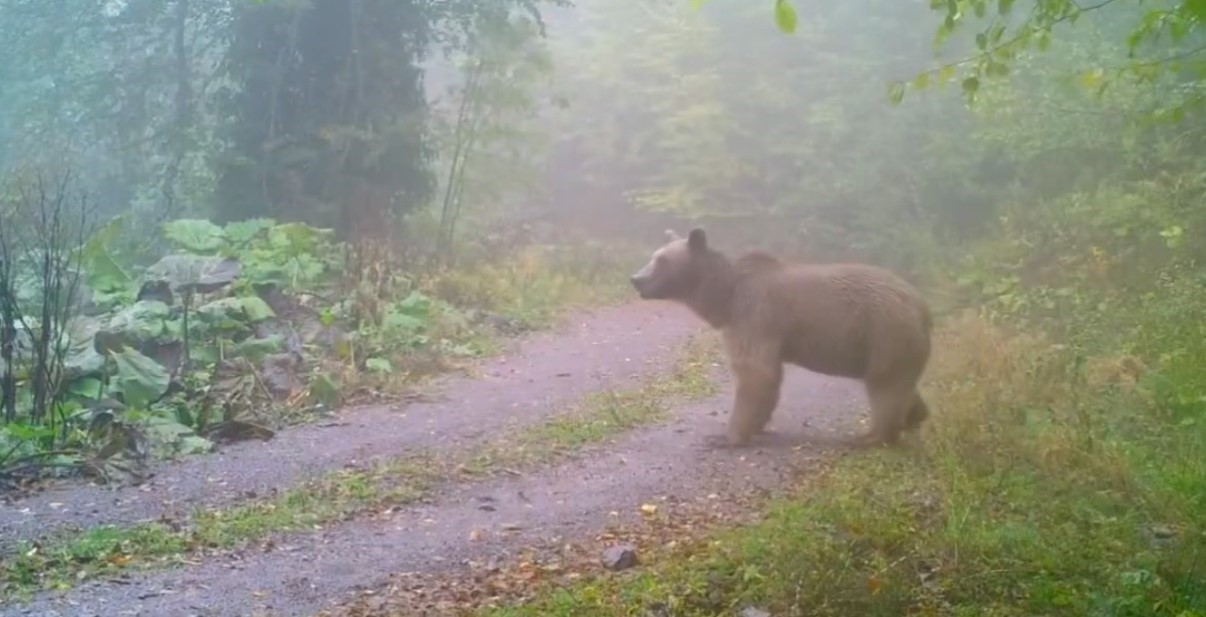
x=538, y=283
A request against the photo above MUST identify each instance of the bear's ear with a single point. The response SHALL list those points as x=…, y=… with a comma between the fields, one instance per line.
x=672, y=235
x=697, y=240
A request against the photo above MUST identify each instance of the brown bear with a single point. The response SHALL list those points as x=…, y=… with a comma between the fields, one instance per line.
x=846, y=320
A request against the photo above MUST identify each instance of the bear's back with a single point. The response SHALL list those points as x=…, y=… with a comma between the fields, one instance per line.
x=830, y=318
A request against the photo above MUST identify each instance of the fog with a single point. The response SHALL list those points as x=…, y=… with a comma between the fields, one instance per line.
x=226, y=223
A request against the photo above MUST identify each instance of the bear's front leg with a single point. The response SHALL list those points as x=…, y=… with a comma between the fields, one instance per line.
x=759, y=373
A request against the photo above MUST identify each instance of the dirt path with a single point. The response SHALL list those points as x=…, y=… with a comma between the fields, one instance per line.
x=305, y=573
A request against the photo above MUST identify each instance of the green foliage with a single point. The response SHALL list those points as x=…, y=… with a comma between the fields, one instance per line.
x=286, y=255
x=240, y=308
x=195, y=235
x=356, y=154
x=485, y=133
x=140, y=380
x=1155, y=46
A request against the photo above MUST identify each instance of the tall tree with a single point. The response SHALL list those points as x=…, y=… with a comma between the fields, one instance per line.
x=330, y=108
x=332, y=122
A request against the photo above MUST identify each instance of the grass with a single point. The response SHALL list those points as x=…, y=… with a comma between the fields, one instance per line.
x=537, y=284
x=1036, y=492
x=603, y=415
x=59, y=563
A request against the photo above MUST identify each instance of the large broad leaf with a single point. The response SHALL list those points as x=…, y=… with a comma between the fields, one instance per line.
x=101, y=270
x=241, y=233
x=251, y=309
x=195, y=272
x=256, y=348
x=397, y=320
x=195, y=235
x=82, y=358
x=417, y=304
x=298, y=237
x=89, y=388
x=142, y=380
x=175, y=437
x=146, y=320
x=325, y=390
x=410, y=315
x=379, y=365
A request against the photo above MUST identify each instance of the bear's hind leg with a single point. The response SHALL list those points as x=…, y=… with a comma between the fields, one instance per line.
x=892, y=403
x=917, y=413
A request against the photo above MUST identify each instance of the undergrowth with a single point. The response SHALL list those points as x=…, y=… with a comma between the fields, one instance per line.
x=249, y=327
x=537, y=283
x=1048, y=483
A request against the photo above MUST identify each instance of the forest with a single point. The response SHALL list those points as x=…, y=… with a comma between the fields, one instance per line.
x=322, y=307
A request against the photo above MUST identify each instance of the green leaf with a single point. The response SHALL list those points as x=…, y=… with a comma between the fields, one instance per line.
x=142, y=379
x=417, y=303
x=395, y=320
x=1042, y=41
x=193, y=444
x=1172, y=235
x=195, y=272
x=102, y=272
x=379, y=365
x=240, y=233
x=176, y=436
x=922, y=81
x=324, y=389
x=1092, y=79
x=195, y=235
x=86, y=388
x=785, y=16
x=256, y=348
x=896, y=93
x=971, y=85
x=257, y=309
x=410, y=315
x=145, y=320
x=82, y=358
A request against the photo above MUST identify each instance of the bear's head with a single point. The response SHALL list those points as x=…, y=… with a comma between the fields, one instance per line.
x=676, y=270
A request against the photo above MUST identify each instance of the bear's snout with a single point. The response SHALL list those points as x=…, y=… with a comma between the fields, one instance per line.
x=639, y=283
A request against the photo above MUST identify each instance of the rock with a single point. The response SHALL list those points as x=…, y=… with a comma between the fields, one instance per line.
x=1164, y=532
x=658, y=609
x=620, y=557
x=279, y=374
x=1161, y=536
x=750, y=611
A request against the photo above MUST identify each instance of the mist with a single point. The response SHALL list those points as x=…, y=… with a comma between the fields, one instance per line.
x=356, y=277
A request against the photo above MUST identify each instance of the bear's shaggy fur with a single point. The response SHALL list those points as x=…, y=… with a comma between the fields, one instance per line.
x=846, y=320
